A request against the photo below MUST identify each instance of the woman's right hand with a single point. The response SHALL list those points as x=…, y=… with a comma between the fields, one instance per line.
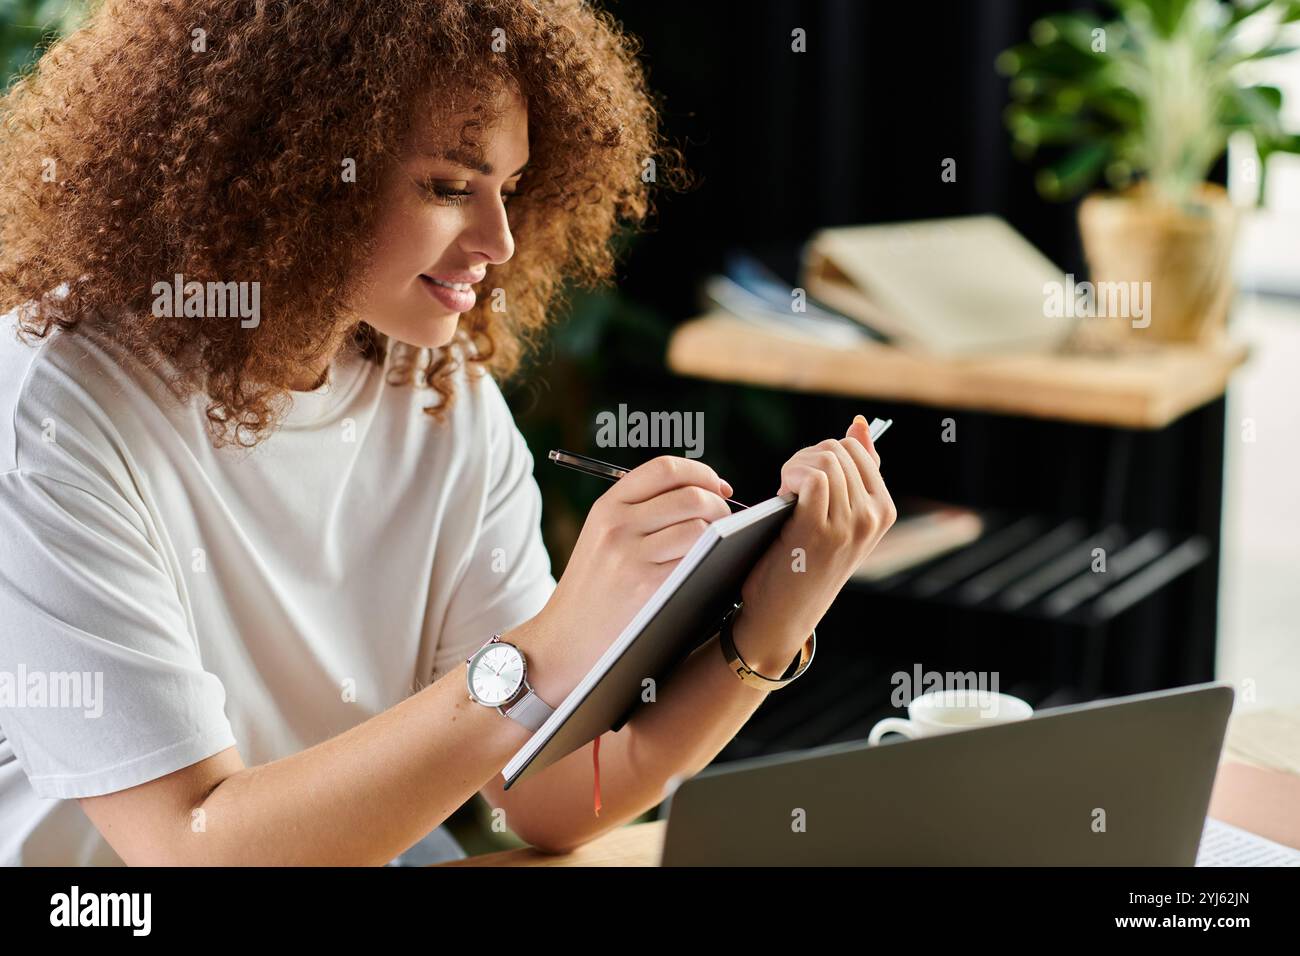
x=633, y=537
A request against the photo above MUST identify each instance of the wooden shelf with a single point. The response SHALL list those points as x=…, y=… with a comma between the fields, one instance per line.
x=1145, y=389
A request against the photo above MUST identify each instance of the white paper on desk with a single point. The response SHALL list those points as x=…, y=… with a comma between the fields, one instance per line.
x=1222, y=844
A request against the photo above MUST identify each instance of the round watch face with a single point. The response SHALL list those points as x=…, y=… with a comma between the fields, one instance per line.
x=497, y=674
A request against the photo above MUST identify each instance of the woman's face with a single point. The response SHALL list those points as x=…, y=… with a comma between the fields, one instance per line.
x=443, y=222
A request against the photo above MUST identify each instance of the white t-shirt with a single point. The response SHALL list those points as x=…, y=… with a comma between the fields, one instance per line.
x=162, y=600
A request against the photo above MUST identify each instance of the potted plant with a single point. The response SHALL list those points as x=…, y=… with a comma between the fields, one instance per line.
x=1147, y=103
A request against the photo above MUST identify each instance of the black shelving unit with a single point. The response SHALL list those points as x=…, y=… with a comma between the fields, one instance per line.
x=1051, y=569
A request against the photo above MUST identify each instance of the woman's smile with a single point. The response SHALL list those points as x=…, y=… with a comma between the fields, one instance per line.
x=455, y=296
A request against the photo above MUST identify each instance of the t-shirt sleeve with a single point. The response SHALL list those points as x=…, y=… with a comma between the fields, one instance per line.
x=101, y=685
x=507, y=578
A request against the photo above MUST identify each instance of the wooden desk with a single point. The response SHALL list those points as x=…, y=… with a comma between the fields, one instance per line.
x=1146, y=390
x=1250, y=795
x=638, y=844
x=1258, y=785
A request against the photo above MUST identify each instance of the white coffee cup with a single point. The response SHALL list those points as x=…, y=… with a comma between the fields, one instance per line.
x=945, y=711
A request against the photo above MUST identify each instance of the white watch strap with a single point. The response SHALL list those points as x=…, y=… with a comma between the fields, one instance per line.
x=530, y=710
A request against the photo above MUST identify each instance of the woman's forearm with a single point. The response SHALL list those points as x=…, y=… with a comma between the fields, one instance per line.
x=693, y=717
x=363, y=796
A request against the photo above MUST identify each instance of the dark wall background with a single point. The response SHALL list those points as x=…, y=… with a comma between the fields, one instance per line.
x=852, y=131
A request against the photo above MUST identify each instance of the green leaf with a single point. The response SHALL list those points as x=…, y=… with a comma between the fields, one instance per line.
x=1244, y=11
x=1286, y=143
x=1075, y=172
x=1164, y=16
x=1054, y=60
x=1252, y=108
x=1266, y=52
x=1073, y=30
x=1038, y=127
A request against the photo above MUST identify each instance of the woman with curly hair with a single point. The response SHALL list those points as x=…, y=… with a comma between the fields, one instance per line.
x=260, y=495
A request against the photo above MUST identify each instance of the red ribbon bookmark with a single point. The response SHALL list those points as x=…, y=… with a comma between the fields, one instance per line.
x=595, y=761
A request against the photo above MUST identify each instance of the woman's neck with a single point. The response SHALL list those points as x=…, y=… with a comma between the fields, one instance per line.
x=314, y=374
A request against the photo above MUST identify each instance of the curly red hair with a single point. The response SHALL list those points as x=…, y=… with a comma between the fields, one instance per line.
x=207, y=138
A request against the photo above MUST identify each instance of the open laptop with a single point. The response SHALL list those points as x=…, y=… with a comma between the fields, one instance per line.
x=1121, y=782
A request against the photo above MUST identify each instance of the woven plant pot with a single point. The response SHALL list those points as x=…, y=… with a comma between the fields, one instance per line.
x=1184, y=252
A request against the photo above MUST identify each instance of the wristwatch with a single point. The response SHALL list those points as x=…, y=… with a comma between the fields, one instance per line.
x=497, y=676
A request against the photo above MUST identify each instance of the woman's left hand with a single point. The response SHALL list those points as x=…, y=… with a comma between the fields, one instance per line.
x=842, y=513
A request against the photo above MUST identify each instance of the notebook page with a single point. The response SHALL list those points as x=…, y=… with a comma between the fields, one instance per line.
x=1222, y=844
